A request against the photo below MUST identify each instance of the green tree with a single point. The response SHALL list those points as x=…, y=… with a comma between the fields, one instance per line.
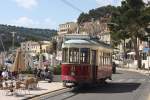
x=84, y=17
x=53, y=46
x=23, y=34
x=96, y=14
x=130, y=20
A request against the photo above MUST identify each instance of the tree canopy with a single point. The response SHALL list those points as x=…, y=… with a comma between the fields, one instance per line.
x=130, y=20
x=96, y=13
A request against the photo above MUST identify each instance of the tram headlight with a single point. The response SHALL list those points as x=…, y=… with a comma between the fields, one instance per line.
x=72, y=73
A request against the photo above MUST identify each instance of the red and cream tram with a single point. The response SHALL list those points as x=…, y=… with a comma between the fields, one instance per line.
x=85, y=61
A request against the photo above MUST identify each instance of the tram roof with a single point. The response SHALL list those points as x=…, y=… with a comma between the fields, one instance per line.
x=77, y=42
x=85, y=43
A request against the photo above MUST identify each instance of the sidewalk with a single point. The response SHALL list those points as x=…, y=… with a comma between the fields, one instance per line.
x=144, y=72
x=44, y=87
x=148, y=97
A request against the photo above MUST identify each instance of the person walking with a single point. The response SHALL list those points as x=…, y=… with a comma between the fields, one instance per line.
x=114, y=67
x=5, y=74
x=35, y=72
x=39, y=73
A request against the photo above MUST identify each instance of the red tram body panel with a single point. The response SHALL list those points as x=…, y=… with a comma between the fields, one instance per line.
x=75, y=73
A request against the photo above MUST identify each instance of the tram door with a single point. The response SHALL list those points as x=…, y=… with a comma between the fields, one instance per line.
x=93, y=63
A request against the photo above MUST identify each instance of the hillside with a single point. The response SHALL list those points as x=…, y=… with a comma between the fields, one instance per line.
x=96, y=13
x=23, y=34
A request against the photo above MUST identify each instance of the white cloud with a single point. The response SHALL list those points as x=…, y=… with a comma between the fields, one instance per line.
x=146, y=1
x=24, y=21
x=108, y=2
x=112, y=2
x=27, y=4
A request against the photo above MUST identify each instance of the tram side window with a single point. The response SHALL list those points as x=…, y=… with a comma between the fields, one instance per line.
x=104, y=59
x=73, y=55
x=84, y=55
x=100, y=59
x=109, y=58
x=65, y=55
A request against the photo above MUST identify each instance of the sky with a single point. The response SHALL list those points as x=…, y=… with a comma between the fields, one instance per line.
x=46, y=13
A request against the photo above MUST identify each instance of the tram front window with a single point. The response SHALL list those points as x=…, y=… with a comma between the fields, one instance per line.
x=74, y=55
x=65, y=55
x=84, y=55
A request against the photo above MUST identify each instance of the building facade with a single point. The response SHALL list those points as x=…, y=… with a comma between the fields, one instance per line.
x=67, y=28
x=30, y=46
x=33, y=49
x=98, y=28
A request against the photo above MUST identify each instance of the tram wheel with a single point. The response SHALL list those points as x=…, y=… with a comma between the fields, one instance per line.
x=103, y=81
x=76, y=84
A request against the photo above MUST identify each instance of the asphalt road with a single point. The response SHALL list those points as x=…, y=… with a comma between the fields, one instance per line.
x=124, y=86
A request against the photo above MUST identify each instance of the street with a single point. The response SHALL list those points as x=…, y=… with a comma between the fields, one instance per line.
x=124, y=86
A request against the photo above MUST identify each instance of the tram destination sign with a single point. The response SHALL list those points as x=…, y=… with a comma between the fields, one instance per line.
x=76, y=36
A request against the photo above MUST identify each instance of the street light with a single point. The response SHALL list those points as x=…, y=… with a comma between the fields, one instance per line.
x=148, y=53
x=13, y=40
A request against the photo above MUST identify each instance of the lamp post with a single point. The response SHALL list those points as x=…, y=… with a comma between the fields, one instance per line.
x=148, y=53
x=13, y=40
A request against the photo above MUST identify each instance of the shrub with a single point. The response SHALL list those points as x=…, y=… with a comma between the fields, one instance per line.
x=57, y=70
x=28, y=71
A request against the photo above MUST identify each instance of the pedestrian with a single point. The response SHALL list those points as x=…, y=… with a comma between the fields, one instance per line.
x=35, y=72
x=43, y=74
x=114, y=67
x=5, y=74
x=39, y=73
x=46, y=72
x=50, y=76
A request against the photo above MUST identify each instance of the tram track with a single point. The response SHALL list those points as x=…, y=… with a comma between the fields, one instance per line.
x=62, y=94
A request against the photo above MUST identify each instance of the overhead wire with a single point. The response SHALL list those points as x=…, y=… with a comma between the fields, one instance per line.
x=71, y=5
x=76, y=8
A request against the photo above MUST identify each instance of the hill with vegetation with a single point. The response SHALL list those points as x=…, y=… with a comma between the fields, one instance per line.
x=23, y=34
x=96, y=13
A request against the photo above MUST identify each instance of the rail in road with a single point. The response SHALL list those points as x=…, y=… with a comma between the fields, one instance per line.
x=57, y=95
x=63, y=94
